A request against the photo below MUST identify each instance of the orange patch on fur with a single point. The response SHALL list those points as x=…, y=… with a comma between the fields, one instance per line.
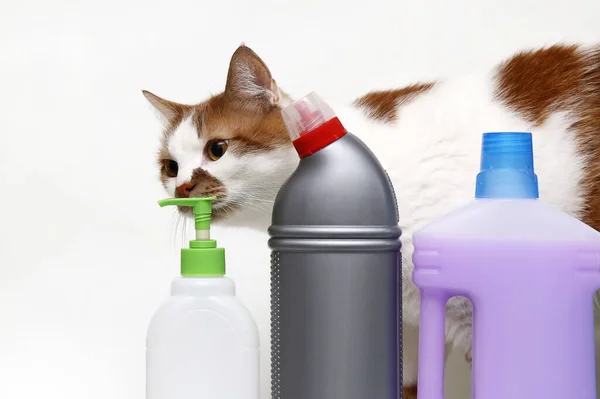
x=383, y=105
x=536, y=84
x=252, y=131
x=409, y=392
x=469, y=356
x=588, y=130
x=219, y=118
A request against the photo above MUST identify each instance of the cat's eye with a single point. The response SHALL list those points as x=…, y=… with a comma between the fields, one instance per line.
x=216, y=149
x=171, y=167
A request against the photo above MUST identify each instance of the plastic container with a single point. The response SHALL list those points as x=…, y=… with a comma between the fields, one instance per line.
x=335, y=267
x=530, y=272
x=202, y=342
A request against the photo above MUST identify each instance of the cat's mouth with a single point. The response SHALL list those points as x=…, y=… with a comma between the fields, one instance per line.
x=221, y=209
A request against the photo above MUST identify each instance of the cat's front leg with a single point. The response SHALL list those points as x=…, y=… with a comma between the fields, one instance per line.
x=459, y=325
x=410, y=349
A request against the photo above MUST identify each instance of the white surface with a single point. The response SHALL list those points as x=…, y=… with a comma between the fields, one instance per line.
x=202, y=342
x=85, y=253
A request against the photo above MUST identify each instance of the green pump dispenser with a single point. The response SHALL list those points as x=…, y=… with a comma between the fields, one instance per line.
x=202, y=258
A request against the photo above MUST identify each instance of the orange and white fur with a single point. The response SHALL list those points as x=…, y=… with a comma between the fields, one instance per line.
x=428, y=136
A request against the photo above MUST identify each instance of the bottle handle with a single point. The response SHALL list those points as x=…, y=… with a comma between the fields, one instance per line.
x=432, y=345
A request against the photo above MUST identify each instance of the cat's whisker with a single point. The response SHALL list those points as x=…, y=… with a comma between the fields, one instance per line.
x=184, y=231
x=176, y=227
x=254, y=207
x=260, y=200
x=249, y=200
x=171, y=223
x=226, y=209
x=244, y=197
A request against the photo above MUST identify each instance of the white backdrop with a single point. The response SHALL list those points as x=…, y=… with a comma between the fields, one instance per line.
x=86, y=255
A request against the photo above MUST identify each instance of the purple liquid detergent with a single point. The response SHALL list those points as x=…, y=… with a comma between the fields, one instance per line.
x=530, y=272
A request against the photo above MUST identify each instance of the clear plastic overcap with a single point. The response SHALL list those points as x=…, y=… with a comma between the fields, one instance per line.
x=305, y=115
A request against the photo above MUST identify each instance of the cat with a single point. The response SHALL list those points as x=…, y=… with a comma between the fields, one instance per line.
x=427, y=135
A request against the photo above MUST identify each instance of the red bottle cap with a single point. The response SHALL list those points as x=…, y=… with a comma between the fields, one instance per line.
x=311, y=124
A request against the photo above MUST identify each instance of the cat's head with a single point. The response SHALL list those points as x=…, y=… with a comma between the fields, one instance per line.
x=233, y=145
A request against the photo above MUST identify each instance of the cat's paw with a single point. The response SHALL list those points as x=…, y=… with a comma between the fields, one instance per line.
x=409, y=392
x=469, y=356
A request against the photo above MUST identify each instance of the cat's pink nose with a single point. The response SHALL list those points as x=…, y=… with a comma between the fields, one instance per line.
x=184, y=190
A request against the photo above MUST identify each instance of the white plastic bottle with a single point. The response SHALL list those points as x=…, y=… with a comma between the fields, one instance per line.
x=202, y=343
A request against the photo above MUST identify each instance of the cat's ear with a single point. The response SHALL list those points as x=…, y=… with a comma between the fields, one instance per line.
x=168, y=110
x=250, y=81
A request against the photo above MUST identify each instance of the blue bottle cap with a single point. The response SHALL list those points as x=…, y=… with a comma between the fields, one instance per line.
x=506, y=167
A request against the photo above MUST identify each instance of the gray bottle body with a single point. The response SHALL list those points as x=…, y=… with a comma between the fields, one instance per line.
x=336, y=279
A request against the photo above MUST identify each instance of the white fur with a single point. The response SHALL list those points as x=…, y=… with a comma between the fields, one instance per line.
x=432, y=157
x=187, y=149
x=246, y=85
x=251, y=180
x=246, y=81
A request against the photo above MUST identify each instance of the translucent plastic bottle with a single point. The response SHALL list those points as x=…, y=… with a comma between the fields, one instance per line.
x=202, y=342
x=530, y=272
x=336, y=293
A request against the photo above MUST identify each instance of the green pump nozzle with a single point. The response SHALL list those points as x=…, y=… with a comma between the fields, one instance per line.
x=202, y=258
x=202, y=209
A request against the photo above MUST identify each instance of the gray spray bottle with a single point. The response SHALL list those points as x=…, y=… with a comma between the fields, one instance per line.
x=335, y=267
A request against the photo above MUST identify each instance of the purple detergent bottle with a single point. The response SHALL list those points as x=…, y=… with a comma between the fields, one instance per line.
x=530, y=272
